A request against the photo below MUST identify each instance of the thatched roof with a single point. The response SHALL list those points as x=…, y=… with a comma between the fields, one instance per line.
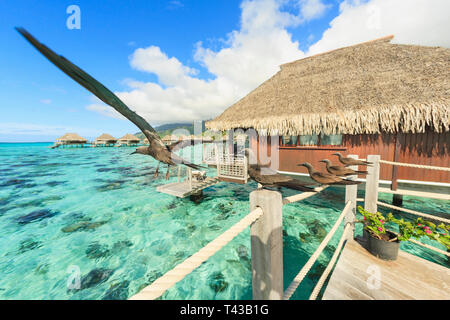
x=366, y=88
x=129, y=137
x=105, y=137
x=71, y=137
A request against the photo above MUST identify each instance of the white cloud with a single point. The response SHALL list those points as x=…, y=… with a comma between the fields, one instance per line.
x=253, y=53
x=250, y=55
x=312, y=9
x=170, y=71
x=421, y=22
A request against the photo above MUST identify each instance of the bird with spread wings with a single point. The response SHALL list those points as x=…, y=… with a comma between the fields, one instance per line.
x=157, y=149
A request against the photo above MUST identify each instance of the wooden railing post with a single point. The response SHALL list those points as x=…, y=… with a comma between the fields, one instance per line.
x=267, y=245
x=372, y=180
x=351, y=192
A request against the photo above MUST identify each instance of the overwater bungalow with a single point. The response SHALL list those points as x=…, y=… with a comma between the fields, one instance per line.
x=70, y=139
x=128, y=140
x=105, y=140
x=371, y=98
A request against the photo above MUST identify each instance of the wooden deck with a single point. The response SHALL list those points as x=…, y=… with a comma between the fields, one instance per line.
x=183, y=189
x=407, y=278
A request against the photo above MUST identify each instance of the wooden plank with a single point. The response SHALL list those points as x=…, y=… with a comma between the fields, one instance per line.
x=184, y=189
x=396, y=159
x=372, y=180
x=361, y=276
x=351, y=193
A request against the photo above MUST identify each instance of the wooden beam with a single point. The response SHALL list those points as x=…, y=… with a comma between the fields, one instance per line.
x=397, y=148
x=372, y=180
x=267, y=246
x=351, y=192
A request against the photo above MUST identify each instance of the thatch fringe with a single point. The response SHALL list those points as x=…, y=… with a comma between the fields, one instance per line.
x=409, y=118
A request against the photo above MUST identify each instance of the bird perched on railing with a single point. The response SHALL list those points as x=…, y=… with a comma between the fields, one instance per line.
x=156, y=147
x=341, y=170
x=269, y=178
x=326, y=178
x=351, y=162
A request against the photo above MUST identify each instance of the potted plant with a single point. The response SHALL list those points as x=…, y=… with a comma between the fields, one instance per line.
x=385, y=244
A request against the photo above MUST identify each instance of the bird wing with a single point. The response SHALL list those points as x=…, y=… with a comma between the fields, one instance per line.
x=180, y=144
x=330, y=176
x=341, y=170
x=93, y=86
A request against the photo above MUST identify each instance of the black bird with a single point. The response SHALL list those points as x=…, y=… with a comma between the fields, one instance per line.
x=326, y=178
x=271, y=179
x=341, y=170
x=156, y=149
x=351, y=162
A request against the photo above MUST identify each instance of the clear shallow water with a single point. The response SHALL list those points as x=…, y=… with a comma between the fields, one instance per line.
x=97, y=209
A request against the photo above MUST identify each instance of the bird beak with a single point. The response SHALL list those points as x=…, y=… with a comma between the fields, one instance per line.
x=301, y=164
x=321, y=160
x=133, y=153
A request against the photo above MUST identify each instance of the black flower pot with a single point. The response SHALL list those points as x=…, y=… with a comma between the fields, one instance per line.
x=383, y=249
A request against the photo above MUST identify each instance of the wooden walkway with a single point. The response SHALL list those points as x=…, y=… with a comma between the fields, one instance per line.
x=407, y=278
x=183, y=189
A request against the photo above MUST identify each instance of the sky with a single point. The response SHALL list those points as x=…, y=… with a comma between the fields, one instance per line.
x=177, y=60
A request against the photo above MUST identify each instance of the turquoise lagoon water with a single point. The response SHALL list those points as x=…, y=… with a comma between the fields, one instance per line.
x=96, y=211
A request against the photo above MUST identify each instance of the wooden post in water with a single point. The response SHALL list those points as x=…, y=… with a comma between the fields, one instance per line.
x=190, y=178
x=351, y=192
x=267, y=245
x=372, y=180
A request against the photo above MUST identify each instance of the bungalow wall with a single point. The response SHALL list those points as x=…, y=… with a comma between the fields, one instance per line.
x=429, y=148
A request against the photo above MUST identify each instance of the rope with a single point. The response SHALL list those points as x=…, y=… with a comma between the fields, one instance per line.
x=169, y=279
x=330, y=265
x=299, y=278
x=429, y=247
x=429, y=216
x=302, y=196
x=414, y=165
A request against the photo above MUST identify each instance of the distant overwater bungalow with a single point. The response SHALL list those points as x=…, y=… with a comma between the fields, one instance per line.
x=376, y=97
x=70, y=140
x=128, y=140
x=105, y=140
